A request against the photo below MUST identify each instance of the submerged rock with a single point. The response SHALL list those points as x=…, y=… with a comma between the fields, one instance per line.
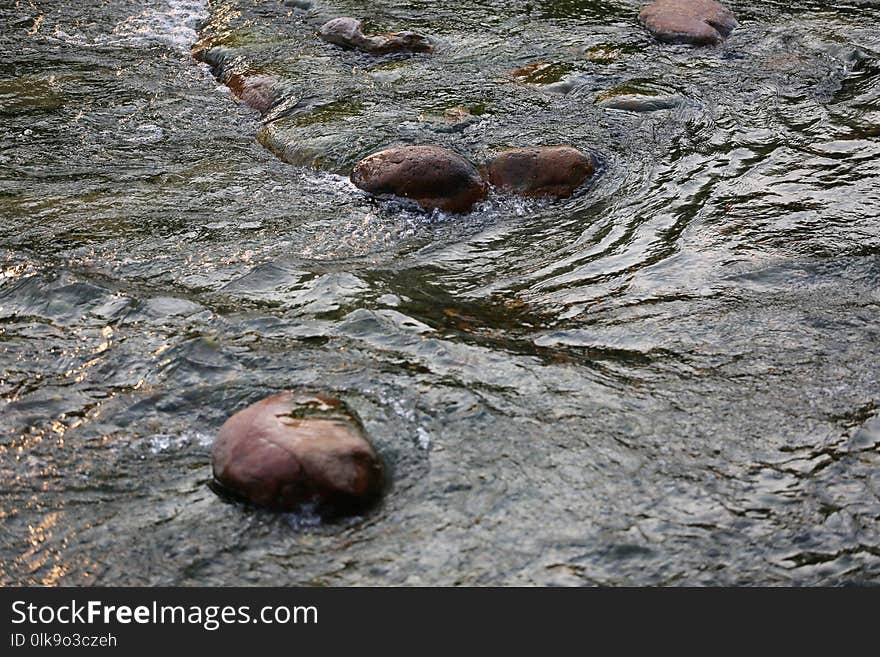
x=432, y=177
x=453, y=119
x=295, y=449
x=540, y=172
x=347, y=32
x=697, y=22
x=639, y=102
x=30, y=94
x=258, y=91
x=637, y=99
x=542, y=73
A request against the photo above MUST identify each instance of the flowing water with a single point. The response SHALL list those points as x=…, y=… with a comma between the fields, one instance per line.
x=670, y=378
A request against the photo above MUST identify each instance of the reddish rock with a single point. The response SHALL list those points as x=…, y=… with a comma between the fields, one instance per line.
x=257, y=91
x=540, y=172
x=697, y=22
x=293, y=449
x=347, y=32
x=432, y=177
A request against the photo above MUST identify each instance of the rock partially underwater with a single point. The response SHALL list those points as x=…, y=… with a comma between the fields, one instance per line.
x=638, y=98
x=348, y=33
x=695, y=22
x=431, y=176
x=296, y=449
x=259, y=91
x=540, y=172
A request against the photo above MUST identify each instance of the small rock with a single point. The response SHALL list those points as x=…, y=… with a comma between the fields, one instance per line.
x=347, y=32
x=453, y=119
x=697, y=22
x=457, y=115
x=639, y=103
x=257, y=91
x=542, y=73
x=432, y=177
x=602, y=54
x=540, y=172
x=634, y=98
x=295, y=449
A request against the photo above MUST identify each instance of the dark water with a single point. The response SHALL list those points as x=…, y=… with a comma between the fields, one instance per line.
x=669, y=379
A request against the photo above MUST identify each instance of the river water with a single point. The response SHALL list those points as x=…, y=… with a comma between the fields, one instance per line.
x=670, y=378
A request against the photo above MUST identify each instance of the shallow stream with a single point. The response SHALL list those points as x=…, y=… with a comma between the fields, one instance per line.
x=670, y=378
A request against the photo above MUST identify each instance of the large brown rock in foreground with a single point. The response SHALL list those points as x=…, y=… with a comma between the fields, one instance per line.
x=432, y=177
x=294, y=449
x=697, y=22
x=348, y=33
x=540, y=172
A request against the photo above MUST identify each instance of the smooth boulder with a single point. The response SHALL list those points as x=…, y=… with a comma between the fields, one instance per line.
x=696, y=22
x=540, y=172
x=348, y=33
x=431, y=176
x=295, y=449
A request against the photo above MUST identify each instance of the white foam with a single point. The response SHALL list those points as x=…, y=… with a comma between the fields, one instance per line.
x=169, y=22
x=307, y=516
x=424, y=438
x=163, y=442
x=174, y=23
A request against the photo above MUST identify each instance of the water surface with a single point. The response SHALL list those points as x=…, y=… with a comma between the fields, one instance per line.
x=670, y=378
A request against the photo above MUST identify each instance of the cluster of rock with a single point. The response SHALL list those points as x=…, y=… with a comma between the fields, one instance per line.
x=295, y=449
x=439, y=178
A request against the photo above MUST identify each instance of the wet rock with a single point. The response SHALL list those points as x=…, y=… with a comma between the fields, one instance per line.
x=602, y=54
x=29, y=94
x=697, y=22
x=639, y=104
x=325, y=136
x=258, y=91
x=390, y=72
x=295, y=449
x=432, y=177
x=634, y=100
x=542, y=73
x=347, y=32
x=453, y=119
x=218, y=57
x=559, y=78
x=312, y=148
x=457, y=115
x=540, y=172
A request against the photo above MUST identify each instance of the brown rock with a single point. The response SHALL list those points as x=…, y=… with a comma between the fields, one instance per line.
x=432, y=177
x=697, y=22
x=540, y=172
x=542, y=73
x=347, y=32
x=293, y=449
x=257, y=91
